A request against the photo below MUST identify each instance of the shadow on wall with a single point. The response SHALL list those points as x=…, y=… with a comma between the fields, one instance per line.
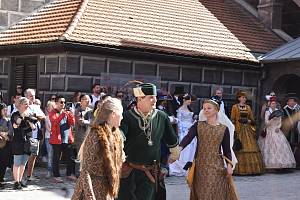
x=285, y=84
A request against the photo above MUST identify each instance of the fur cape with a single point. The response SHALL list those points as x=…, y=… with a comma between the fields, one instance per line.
x=111, y=145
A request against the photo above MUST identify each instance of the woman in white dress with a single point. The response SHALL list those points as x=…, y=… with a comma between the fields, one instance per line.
x=185, y=121
x=275, y=149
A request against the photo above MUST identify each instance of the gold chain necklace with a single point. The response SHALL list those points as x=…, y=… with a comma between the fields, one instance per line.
x=147, y=125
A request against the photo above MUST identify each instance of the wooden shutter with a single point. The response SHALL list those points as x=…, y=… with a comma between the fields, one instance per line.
x=30, y=76
x=26, y=72
x=19, y=74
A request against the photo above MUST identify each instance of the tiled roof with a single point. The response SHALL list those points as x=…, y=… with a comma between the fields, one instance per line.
x=213, y=28
x=47, y=24
x=286, y=52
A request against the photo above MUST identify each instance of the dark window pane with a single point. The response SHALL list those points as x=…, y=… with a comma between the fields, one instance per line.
x=44, y=83
x=93, y=66
x=82, y=84
x=201, y=91
x=42, y=66
x=251, y=79
x=191, y=75
x=4, y=83
x=51, y=65
x=120, y=67
x=169, y=73
x=186, y=88
x=233, y=78
x=145, y=69
x=58, y=83
x=212, y=76
x=7, y=65
x=73, y=65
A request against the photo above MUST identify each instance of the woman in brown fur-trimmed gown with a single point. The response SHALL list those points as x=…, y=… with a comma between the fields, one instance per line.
x=212, y=176
x=249, y=156
x=102, y=155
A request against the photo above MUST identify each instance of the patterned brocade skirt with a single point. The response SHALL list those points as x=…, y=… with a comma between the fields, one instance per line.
x=249, y=157
x=211, y=183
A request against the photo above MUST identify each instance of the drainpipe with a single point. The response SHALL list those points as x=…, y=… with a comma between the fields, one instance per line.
x=260, y=89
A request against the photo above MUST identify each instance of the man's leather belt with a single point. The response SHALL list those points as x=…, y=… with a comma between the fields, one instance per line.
x=146, y=169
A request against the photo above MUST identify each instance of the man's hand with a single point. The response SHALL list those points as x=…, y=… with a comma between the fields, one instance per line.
x=18, y=121
x=32, y=126
x=175, y=153
x=229, y=170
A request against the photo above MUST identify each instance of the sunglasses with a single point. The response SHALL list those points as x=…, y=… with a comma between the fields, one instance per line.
x=62, y=102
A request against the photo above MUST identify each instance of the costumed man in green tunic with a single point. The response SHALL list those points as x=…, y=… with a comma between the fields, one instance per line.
x=144, y=128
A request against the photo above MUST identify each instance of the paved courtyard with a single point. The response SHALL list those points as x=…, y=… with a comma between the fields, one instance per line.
x=266, y=187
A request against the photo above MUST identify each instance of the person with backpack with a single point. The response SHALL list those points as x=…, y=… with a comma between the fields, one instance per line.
x=12, y=107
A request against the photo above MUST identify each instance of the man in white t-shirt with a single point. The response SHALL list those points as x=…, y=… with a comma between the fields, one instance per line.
x=35, y=109
x=96, y=96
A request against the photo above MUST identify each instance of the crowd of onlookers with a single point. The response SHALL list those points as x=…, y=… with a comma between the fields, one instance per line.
x=273, y=144
x=27, y=131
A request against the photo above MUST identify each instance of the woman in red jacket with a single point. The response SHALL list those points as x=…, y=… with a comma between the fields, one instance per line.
x=61, y=138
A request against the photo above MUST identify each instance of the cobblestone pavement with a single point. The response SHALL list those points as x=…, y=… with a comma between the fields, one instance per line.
x=269, y=186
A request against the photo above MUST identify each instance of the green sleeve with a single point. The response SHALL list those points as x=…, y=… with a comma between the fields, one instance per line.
x=169, y=137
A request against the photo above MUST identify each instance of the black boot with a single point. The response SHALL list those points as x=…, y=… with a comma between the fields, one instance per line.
x=23, y=184
x=17, y=186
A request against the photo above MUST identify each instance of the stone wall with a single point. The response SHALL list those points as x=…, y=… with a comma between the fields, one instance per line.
x=283, y=78
x=66, y=73
x=4, y=80
x=12, y=11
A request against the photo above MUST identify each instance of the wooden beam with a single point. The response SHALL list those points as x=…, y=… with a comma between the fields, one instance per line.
x=297, y=2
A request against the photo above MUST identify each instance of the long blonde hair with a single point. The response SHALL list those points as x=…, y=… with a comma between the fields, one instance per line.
x=108, y=106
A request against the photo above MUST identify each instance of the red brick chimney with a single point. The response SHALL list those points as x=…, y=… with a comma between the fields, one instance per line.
x=270, y=13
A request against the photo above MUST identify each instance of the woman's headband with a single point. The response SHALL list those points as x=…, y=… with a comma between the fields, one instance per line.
x=216, y=104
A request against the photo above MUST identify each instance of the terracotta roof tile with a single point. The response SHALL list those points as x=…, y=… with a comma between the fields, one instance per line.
x=211, y=28
x=48, y=24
